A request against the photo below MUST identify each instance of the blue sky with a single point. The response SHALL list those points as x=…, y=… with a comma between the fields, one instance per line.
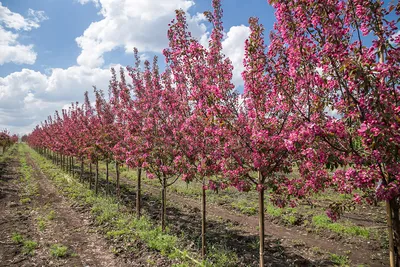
x=54, y=50
x=55, y=43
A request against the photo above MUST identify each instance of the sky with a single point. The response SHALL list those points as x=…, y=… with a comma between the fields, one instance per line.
x=52, y=51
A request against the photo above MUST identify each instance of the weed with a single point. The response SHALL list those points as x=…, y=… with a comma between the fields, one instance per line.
x=322, y=221
x=245, y=207
x=274, y=211
x=58, y=251
x=41, y=224
x=17, y=238
x=25, y=200
x=340, y=260
x=51, y=215
x=29, y=247
x=317, y=250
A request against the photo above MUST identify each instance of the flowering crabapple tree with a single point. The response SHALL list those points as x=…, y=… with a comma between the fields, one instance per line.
x=160, y=150
x=105, y=132
x=341, y=63
x=259, y=127
x=190, y=68
x=6, y=140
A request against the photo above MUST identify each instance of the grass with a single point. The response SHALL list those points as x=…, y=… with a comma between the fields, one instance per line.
x=323, y=222
x=117, y=223
x=58, y=251
x=29, y=186
x=28, y=246
x=41, y=224
x=247, y=203
x=340, y=260
x=8, y=154
x=17, y=238
x=51, y=215
x=243, y=206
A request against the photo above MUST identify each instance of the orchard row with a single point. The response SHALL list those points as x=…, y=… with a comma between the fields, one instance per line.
x=6, y=140
x=321, y=99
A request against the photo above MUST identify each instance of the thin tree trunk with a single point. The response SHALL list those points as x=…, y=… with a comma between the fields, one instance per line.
x=97, y=178
x=72, y=167
x=392, y=251
x=90, y=175
x=261, y=218
x=81, y=174
x=396, y=228
x=107, y=182
x=390, y=232
x=163, y=203
x=117, y=172
x=138, y=192
x=203, y=221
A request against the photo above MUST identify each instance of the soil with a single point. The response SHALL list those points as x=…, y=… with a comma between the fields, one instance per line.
x=68, y=227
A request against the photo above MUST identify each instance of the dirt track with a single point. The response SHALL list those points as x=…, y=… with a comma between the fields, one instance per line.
x=66, y=227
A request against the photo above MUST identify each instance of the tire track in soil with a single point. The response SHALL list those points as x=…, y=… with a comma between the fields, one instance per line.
x=70, y=228
x=14, y=217
x=249, y=226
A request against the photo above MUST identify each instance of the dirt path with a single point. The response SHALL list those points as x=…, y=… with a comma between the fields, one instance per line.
x=47, y=219
x=68, y=227
x=14, y=217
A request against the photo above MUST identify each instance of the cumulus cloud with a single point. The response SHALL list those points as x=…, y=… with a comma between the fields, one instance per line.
x=28, y=97
x=16, y=21
x=132, y=23
x=233, y=47
x=11, y=50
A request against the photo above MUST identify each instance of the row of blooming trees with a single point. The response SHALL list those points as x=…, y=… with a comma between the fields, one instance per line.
x=6, y=140
x=323, y=98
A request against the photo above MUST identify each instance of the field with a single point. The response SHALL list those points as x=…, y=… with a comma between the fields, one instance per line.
x=48, y=218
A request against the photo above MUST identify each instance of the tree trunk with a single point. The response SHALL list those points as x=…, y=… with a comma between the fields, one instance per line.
x=163, y=203
x=82, y=169
x=107, y=182
x=138, y=192
x=261, y=218
x=396, y=229
x=203, y=221
x=117, y=172
x=96, y=186
x=390, y=232
x=90, y=175
x=72, y=167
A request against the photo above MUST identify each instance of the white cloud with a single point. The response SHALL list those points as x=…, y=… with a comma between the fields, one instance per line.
x=16, y=21
x=82, y=2
x=28, y=97
x=233, y=47
x=132, y=23
x=10, y=49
